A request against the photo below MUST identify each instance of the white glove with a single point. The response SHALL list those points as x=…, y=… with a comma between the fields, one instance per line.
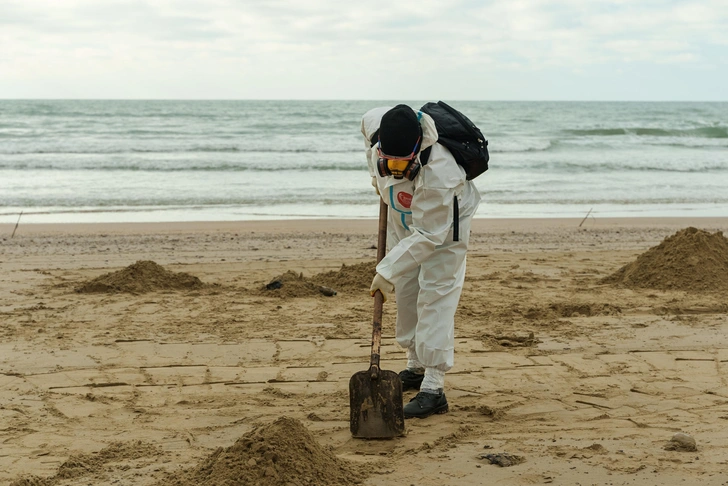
x=383, y=285
x=374, y=183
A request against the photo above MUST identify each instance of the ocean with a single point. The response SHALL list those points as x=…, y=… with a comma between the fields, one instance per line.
x=160, y=161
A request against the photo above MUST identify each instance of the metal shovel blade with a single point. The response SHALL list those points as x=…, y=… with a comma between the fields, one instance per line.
x=376, y=405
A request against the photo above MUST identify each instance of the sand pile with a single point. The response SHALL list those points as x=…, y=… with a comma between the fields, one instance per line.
x=281, y=453
x=292, y=284
x=141, y=277
x=691, y=259
x=350, y=278
x=96, y=465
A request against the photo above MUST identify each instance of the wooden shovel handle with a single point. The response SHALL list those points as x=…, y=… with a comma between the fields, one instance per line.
x=378, y=297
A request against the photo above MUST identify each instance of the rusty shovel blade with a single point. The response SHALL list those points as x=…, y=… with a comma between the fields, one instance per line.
x=376, y=405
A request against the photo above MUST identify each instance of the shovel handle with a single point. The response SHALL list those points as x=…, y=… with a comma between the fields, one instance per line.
x=378, y=297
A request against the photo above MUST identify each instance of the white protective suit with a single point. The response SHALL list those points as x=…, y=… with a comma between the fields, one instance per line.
x=423, y=261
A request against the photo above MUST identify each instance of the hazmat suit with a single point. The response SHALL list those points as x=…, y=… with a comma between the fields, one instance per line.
x=426, y=247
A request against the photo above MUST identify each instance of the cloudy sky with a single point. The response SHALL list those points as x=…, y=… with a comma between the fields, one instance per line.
x=375, y=49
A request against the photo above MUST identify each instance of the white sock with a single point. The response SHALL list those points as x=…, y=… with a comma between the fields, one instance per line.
x=434, y=381
x=413, y=364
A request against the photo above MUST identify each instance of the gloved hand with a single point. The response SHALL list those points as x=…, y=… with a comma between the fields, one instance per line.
x=374, y=183
x=383, y=285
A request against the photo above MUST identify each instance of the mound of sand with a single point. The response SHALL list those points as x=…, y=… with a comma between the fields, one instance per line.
x=93, y=466
x=351, y=278
x=141, y=277
x=691, y=259
x=281, y=453
x=291, y=284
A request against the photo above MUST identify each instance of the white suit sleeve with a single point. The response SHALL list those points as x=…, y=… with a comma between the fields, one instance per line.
x=368, y=148
x=432, y=218
x=369, y=125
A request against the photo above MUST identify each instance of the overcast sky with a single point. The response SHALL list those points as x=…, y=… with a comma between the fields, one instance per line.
x=375, y=49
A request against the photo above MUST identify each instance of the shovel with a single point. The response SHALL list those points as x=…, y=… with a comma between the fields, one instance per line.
x=375, y=395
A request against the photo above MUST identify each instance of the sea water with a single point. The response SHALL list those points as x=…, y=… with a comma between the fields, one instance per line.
x=154, y=160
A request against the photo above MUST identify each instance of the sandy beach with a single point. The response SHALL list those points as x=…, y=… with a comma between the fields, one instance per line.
x=110, y=377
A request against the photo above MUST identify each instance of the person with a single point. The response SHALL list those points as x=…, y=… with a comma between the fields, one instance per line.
x=428, y=227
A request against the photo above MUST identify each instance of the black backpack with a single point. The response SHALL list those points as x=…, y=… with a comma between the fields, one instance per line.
x=460, y=136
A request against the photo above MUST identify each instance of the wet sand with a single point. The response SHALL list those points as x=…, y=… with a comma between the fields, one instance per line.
x=586, y=382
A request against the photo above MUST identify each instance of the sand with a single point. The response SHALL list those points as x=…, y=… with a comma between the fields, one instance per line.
x=155, y=354
x=691, y=259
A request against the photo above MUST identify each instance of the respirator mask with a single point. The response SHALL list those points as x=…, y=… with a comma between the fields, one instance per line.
x=398, y=166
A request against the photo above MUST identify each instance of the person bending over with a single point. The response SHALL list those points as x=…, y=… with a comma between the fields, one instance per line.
x=430, y=210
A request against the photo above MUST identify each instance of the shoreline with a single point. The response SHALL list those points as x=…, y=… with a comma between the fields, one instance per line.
x=349, y=226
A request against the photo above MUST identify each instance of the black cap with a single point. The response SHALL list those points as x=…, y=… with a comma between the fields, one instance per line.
x=399, y=131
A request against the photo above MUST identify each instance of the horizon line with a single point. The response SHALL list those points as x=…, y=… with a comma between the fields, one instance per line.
x=374, y=99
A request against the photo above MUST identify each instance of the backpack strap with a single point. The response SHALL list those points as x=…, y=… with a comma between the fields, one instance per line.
x=375, y=138
x=425, y=156
x=456, y=219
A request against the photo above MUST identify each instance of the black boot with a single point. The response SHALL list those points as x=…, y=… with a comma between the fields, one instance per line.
x=425, y=404
x=411, y=380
